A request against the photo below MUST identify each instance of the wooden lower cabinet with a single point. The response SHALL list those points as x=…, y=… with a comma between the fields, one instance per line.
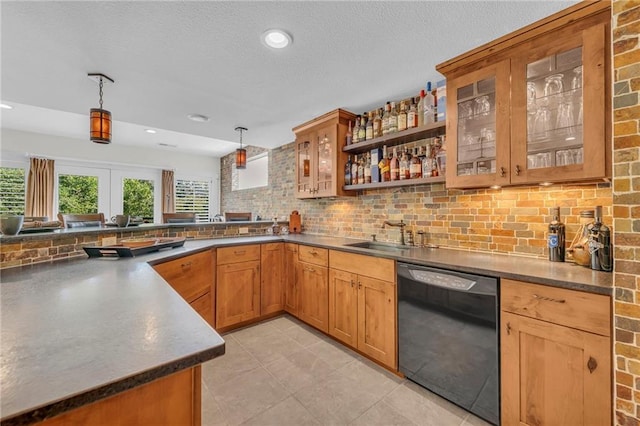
x=313, y=290
x=553, y=374
x=171, y=400
x=193, y=277
x=237, y=293
x=362, y=314
x=272, y=278
x=290, y=273
x=343, y=306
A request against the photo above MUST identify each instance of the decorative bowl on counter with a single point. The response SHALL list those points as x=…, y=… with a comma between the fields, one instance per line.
x=11, y=224
x=139, y=242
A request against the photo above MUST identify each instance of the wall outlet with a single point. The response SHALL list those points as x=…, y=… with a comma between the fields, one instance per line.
x=243, y=230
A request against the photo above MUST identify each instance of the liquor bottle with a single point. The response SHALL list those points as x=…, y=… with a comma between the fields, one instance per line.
x=555, y=238
x=362, y=130
x=361, y=170
x=347, y=170
x=356, y=130
x=369, y=130
x=395, y=166
x=404, y=166
x=385, y=166
x=412, y=118
x=393, y=119
x=427, y=163
x=402, y=117
x=415, y=168
x=421, y=109
x=349, y=135
x=377, y=124
x=367, y=168
x=600, y=243
x=429, y=106
x=385, y=118
x=354, y=171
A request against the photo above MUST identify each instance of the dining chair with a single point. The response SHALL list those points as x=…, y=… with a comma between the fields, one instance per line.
x=81, y=220
x=178, y=218
x=237, y=216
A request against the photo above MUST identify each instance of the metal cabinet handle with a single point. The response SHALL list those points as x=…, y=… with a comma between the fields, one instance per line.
x=306, y=268
x=503, y=172
x=313, y=252
x=518, y=170
x=509, y=328
x=240, y=252
x=352, y=283
x=186, y=265
x=548, y=299
x=359, y=285
x=592, y=364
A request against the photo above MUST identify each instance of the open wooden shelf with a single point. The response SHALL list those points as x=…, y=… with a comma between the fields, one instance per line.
x=394, y=183
x=398, y=138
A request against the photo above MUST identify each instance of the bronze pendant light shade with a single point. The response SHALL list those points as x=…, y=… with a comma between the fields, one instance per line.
x=241, y=153
x=99, y=118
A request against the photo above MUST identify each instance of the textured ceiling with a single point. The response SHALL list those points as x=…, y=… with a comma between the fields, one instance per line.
x=173, y=58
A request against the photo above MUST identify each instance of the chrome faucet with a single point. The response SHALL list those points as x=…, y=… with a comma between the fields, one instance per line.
x=400, y=224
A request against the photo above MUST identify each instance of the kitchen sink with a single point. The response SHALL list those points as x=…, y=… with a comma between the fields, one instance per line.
x=373, y=245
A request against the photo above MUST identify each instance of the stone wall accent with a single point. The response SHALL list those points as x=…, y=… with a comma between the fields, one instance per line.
x=626, y=209
x=30, y=249
x=509, y=220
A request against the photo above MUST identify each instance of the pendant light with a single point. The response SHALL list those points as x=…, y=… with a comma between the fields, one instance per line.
x=99, y=118
x=241, y=153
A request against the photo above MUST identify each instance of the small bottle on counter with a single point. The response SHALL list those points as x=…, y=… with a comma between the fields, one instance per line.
x=556, y=237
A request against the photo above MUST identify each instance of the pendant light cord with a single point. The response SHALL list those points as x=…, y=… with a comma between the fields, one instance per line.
x=100, y=92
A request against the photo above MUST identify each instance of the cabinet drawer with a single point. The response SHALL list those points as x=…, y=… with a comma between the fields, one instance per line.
x=204, y=306
x=583, y=311
x=191, y=276
x=317, y=256
x=368, y=266
x=238, y=254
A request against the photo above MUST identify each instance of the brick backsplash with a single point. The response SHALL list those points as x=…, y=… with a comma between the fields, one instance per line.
x=626, y=208
x=509, y=220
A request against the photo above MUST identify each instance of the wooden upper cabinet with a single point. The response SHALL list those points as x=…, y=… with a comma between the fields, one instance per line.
x=319, y=155
x=533, y=106
x=272, y=278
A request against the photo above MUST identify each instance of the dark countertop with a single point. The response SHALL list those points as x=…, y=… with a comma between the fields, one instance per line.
x=79, y=330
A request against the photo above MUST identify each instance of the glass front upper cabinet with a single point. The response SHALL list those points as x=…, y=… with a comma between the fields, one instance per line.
x=481, y=128
x=555, y=110
x=558, y=120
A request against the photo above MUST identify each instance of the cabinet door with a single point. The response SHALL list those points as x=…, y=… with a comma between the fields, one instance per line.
x=305, y=164
x=326, y=166
x=343, y=306
x=553, y=375
x=558, y=108
x=314, y=295
x=290, y=285
x=377, y=320
x=191, y=276
x=478, y=128
x=237, y=293
x=272, y=278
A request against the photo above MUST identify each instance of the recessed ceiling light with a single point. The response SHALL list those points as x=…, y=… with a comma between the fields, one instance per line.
x=5, y=106
x=150, y=131
x=275, y=38
x=198, y=117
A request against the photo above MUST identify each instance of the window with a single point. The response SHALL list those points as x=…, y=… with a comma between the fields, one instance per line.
x=255, y=175
x=77, y=194
x=193, y=196
x=12, y=190
x=81, y=190
x=137, y=198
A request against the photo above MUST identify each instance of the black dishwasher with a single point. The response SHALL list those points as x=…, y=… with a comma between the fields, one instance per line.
x=448, y=336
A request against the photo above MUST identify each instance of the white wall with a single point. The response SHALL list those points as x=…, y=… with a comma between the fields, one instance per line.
x=16, y=143
x=17, y=146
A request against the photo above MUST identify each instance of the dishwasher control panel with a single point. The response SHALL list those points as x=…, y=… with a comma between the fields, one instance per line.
x=442, y=280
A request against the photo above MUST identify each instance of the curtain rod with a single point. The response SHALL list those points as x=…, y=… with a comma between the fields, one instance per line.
x=115, y=163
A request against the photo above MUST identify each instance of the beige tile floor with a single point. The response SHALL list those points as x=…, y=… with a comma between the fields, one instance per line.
x=283, y=372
